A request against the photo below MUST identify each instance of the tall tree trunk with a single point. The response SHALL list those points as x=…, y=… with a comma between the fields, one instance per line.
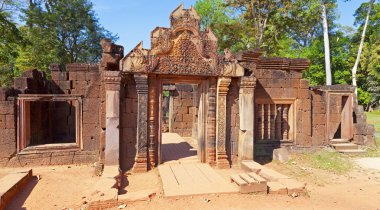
x=326, y=44
x=355, y=68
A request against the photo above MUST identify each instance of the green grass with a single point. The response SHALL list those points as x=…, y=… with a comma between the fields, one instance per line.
x=331, y=161
x=374, y=118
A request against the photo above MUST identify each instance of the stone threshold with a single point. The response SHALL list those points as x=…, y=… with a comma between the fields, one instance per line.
x=67, y=147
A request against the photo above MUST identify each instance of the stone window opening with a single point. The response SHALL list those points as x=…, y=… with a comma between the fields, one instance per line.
x=274, y=122
x=49, y=122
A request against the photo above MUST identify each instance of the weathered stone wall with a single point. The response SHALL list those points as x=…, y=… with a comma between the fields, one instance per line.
x=184, y=109
x=85, y=80
x=273, y=85
x=318, y=100
x=364, y=134
x=128, y=142
x=78, y=79
x=7, y=127
x=232, y=121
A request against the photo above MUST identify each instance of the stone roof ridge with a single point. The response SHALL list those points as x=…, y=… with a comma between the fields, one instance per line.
x=278, y=63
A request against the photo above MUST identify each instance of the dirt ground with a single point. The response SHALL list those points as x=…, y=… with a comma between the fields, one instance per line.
x=67, y=186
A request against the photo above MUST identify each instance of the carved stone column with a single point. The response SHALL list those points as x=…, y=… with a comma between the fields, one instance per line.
x=151, y=123
x=221, y=158
x=141, y=164
x=211, y=122
x=285, y=122
x=246, y=112
x=112, y=80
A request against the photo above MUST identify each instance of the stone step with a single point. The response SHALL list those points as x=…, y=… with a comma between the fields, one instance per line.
x=271, y=175
x=345, y=146
x=12, y=184
x=251, y=166
x=351, y=151
x=277, y=188
x=249, y=184
x=339, y=141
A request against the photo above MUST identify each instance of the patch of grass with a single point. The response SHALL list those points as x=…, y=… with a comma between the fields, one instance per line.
x=331, y=161
x=374, y=152
x=374, y=118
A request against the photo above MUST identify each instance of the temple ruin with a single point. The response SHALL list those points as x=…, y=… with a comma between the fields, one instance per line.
x=237, y=106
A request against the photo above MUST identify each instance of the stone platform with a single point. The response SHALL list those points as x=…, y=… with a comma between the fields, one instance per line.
x=193, y=179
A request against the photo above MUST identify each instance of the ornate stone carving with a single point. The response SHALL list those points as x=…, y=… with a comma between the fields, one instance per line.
x=211, y=122
x=182, y=49
x=141, y=163
x=223, y=84
x=136, y=60
x=247, y=84
x=152, y=117
x=285, y=129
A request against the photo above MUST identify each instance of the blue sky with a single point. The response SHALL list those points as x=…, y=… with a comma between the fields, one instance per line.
x=133, y=20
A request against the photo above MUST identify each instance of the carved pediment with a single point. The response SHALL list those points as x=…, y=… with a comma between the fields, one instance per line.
x=182, y=49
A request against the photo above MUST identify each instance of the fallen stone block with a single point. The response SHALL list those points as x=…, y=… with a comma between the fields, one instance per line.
x=143, y=195
x=293, y=186
x=277, y=188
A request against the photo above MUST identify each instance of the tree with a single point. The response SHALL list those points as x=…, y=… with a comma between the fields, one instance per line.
x=326, y=44
x=368, y=70
x=10, y=38
x=63, y=31
x=354, y=69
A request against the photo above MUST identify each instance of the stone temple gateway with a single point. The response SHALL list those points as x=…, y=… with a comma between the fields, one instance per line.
x=240, y=106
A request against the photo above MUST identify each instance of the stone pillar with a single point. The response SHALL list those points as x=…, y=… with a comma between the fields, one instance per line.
x=221, y=158
x=171, y=110
x=141, y=164
x=112, y=80
x=246, y=112
x=211, y=122
x=152, y=118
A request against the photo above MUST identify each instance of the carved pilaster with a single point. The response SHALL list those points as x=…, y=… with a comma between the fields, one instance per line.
x=151, y=123
x=246, y=112
x=211, y=122
x=141, y=163
x=223, y=84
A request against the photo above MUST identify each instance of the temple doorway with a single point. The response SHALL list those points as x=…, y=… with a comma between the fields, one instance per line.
x=182, y=121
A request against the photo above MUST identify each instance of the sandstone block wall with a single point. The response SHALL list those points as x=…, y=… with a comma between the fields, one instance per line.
x=7, y=127
x=79, y=79
x=128, y=141
x=319, y=119
x=184, y=110
x=232, y=121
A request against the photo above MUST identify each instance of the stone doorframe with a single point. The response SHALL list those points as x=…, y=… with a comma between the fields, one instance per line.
x=345, y=115
x=202, y=83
